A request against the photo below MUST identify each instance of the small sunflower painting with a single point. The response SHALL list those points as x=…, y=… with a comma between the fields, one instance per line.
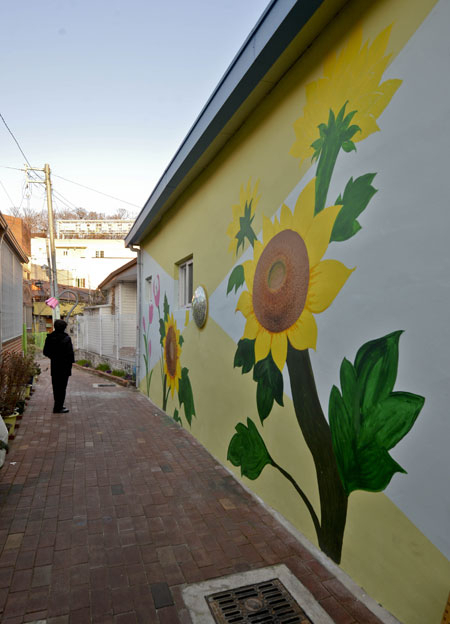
x=172, y=352
x=287, y=283
x=174, y=377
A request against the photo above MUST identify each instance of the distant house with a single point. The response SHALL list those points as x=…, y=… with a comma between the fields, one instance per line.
x=12, y=257
x=81, y=262
x=22, y=234
x=107, y=332
x=307, y=211
x=93, y=228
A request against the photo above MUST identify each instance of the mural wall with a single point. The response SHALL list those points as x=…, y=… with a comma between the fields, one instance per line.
x=319, y=233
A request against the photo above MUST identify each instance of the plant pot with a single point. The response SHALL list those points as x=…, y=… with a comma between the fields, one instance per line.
x=10, y=422
x=4, y=439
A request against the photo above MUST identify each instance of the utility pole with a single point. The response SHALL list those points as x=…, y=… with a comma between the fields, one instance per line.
x=53, y=273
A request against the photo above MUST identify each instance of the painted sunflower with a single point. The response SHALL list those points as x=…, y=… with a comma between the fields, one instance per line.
x=354, y=76
x=243, y=213
x=172, y=351
x=287, y=280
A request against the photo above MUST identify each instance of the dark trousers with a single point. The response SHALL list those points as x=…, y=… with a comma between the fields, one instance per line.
x=59, y=383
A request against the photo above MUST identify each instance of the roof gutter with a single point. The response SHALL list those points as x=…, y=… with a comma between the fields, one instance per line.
x=278, y=27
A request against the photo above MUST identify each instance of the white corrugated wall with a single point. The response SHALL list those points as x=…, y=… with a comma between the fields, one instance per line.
x=12, y=293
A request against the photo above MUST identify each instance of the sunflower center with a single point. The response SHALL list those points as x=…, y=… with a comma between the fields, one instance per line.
x=171, y=351
x=280, y=286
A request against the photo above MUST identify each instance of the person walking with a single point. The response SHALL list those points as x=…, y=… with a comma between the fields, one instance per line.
x=58, y=347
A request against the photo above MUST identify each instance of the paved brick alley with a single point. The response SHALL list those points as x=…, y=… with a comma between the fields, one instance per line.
x=108, y=511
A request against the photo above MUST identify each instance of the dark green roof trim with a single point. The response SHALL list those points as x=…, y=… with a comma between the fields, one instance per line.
x=280, y=23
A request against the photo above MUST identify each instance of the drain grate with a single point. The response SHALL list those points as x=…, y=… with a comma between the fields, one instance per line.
x=261, y=603
x=104, y=385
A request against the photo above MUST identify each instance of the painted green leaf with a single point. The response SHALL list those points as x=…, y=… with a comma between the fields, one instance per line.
x=376, y=366
x=355, y=200
x=236, y=279
x=247, y=450
x=270, y=386
x=375, y=469
x=349, y=385
x=185, y=395
x=166, y=309
x=245, y=355
x=343, y=437
x=264, y=400
x=391, y=419
x=162, y=331
x=180, y=340
x=369, y=419
x=246, y=230
x=176, y=416
x=348, y=146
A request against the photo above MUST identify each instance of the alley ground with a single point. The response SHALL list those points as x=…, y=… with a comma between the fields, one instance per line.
x=107, y=512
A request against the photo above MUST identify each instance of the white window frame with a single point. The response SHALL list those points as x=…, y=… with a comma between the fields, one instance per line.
x=185, y=283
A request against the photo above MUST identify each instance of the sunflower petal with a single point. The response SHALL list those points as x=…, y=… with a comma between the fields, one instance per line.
x=249, y=272
x=285, y=217
x=268, y=229
x=252, y=327
x=318, y=236
x=279, y=349
x=304, y=209
x=262, y=344
x=326, y=280
x=244, y=304
x=303, y=334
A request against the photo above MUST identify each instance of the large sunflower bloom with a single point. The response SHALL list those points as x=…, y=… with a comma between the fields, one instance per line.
x=248, y=199
x=172, y=351
x=353, y=76
x=287, y=280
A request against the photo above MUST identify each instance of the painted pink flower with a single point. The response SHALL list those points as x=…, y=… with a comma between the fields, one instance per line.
x=143, y=322
x=52, y=302
x=150, y=314
x=156, y=290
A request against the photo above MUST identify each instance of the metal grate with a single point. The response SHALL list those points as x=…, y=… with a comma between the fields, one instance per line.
x=261, y=603
x=104, y=385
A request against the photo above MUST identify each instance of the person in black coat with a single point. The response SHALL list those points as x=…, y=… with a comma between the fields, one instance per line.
x=58, y=347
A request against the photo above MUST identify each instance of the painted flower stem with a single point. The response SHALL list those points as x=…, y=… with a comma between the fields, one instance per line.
x=165, y=393
x=303, y=496
x=325, y=168
x=317, y=435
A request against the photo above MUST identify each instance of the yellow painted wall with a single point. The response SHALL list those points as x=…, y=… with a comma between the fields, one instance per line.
x=384, y=552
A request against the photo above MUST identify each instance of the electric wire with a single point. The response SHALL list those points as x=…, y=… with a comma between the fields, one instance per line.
x=6, y=192
x=35, y=174
x=95, y=191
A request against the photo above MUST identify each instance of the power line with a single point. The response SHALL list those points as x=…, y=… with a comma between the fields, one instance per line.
x=95, y=191
x=16, y=141
x=6, y=192
x=60, y=177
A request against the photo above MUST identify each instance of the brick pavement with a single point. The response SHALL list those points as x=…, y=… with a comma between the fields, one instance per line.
x=107, y=511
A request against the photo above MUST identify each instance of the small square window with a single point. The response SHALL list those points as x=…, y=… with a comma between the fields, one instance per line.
x=100, y=254
x=81, y=282
x=185, y=283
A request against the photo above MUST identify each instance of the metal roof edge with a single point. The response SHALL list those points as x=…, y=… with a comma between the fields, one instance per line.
x=12, y=240
x=117, y=272
x=278, y=26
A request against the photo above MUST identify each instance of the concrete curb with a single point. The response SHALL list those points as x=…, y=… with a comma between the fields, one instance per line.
x=122, y=382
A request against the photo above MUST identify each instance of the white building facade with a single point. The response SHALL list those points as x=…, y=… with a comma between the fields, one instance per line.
x=80, y=262
x=93, y=228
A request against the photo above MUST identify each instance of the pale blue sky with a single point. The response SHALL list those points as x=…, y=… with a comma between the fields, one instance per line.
x=106, y=90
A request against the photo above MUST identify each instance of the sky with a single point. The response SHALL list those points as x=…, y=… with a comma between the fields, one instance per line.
x=104, y=91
